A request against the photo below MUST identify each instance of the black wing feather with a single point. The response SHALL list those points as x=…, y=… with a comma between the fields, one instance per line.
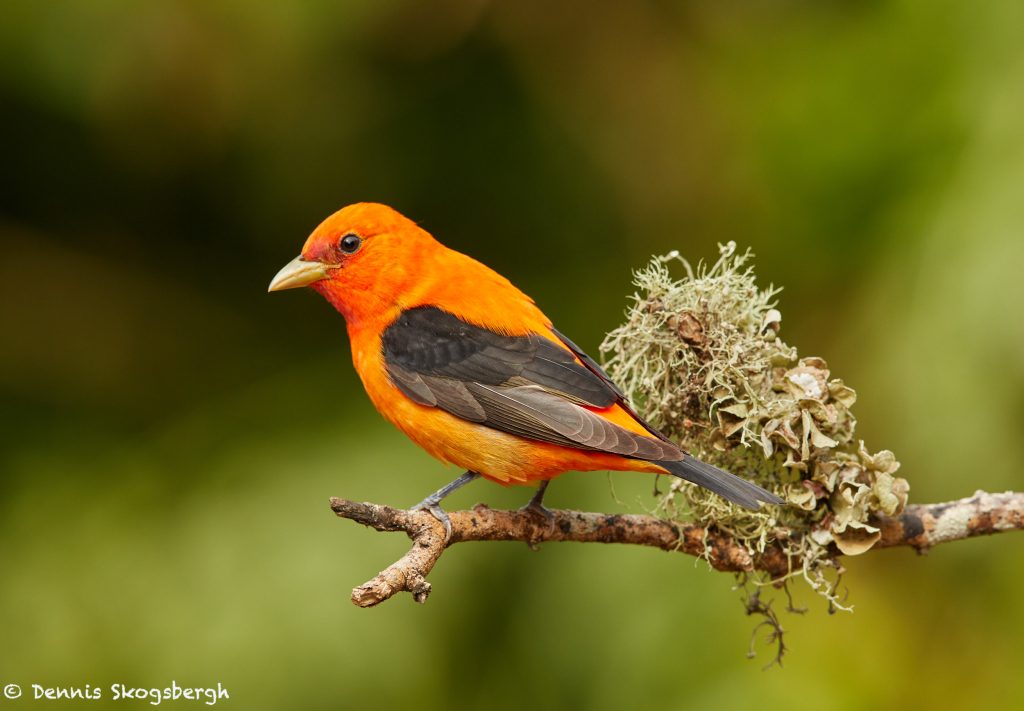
x=524, y=385
x=597, y=370
x=591, y=364
x=430, y=341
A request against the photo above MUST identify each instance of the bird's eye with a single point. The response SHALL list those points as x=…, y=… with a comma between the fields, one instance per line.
x=349, y=243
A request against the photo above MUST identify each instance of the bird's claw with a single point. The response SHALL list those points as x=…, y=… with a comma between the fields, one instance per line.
x=432, y=503
x=536, y=504
x=536, y=508
x=435, y=510
x=539, y=510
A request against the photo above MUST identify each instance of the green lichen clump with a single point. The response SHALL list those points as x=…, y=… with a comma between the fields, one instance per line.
x=701, y=357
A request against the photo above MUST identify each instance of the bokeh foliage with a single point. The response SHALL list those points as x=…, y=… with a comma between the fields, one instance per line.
x=172, y=433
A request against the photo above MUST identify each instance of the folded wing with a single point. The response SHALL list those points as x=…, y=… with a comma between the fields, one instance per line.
x=528, y=385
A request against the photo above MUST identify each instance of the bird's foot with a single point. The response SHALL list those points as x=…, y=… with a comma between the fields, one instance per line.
x=432, y=504
x=538, y=509
x=433, y=507
x=535, y=507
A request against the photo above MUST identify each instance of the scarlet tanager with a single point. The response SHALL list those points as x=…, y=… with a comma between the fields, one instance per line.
x=465, y=364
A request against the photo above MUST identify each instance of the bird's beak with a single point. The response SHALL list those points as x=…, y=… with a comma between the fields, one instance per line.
x=298, y=272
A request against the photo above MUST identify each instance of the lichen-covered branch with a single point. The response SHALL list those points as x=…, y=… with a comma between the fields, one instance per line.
x=920, y=526
x=701, y=356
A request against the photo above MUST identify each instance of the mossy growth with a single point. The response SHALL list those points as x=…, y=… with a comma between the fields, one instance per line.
x=701, y=357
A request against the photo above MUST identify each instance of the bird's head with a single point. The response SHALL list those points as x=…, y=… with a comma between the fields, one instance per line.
x=362, y=259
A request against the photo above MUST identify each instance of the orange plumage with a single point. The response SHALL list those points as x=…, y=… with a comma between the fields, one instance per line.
x=468, y=366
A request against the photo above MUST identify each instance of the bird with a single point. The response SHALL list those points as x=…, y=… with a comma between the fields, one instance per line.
x=470, y=368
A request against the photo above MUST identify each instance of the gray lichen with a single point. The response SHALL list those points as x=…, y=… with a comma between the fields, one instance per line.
x=701, y=357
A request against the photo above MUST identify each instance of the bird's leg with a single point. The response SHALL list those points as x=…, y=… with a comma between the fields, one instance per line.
x=536, y=503
x=433, y=502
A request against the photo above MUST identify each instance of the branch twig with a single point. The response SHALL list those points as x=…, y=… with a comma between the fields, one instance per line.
x=920, y=526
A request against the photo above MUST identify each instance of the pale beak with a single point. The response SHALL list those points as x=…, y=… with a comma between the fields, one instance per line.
x=298, y=272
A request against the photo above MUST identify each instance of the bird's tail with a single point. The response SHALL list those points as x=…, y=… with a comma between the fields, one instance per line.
x=737, y=490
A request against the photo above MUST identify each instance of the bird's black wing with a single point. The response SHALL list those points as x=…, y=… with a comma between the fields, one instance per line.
x=524, y=385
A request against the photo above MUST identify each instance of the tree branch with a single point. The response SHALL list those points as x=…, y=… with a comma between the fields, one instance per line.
x=920, y=526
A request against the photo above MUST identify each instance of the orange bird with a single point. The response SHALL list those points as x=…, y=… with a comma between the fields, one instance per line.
x=465, y=364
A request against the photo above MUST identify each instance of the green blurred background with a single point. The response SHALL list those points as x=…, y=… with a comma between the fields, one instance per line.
x=172, y=432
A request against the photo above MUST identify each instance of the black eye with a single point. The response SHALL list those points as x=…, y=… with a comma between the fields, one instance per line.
x=349, y=243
